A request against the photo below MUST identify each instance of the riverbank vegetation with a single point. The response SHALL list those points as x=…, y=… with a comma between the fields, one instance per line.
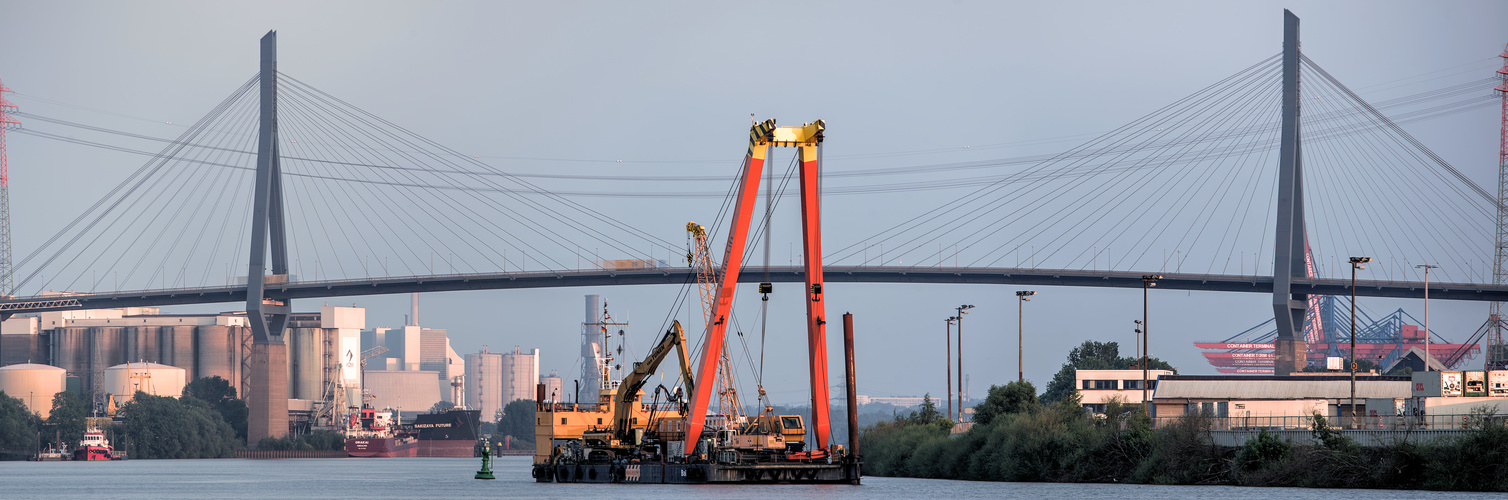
x=18, y=428
x=1016, y=438
x=168, y=427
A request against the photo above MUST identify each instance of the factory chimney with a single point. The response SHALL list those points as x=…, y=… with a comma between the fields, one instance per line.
x=413, y=314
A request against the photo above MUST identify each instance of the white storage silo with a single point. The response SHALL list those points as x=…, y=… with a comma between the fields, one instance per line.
x=33, y=384
x=152, y=378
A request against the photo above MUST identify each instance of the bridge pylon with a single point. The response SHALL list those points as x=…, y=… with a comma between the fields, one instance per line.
x=1290, y=309
x=267, y=313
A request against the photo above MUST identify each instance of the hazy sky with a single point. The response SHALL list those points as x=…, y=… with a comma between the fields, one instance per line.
x=671, y=85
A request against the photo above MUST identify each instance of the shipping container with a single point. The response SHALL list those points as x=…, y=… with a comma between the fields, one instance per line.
x=1436, y=384
x=1497, y=383
x=1475, y=384
x=1450, y=384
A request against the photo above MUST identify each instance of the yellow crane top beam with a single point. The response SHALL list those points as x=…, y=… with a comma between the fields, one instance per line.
x=767, y=134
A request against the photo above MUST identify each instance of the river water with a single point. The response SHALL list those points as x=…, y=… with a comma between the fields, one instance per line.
x=452, y=478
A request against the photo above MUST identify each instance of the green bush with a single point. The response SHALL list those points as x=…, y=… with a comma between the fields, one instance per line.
x=1261, y=452
x=167, y=427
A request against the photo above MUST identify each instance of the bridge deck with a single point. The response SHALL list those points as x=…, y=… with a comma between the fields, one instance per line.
x=677, y=276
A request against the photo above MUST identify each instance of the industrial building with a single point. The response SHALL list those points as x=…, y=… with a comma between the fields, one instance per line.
x=520, y=374
x=98, y=346
x=1098, y=387
x=1272, y=401
x=484, y=383
x=409, y=391
x=414, y=348
x=554, y=386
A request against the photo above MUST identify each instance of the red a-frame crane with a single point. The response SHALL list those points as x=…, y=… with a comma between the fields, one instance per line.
x=808, y=138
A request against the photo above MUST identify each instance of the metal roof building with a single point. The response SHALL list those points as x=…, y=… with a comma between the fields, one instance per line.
x=1274, y=397
x=1274, y=387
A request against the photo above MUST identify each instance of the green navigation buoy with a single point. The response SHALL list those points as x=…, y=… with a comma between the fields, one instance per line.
x=486, y=472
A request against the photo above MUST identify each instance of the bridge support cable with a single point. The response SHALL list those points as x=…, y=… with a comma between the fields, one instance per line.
x=1371, y=164
x=454, y=172
x=89, y=235
x=1067, y=182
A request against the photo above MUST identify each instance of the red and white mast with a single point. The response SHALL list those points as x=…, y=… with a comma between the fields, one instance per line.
x=1496, y=357
x=7, y=284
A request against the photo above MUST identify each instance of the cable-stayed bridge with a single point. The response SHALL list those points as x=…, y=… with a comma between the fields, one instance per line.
x=1251, y=184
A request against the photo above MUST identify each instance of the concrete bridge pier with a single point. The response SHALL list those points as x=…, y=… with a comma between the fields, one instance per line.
x=269, y=401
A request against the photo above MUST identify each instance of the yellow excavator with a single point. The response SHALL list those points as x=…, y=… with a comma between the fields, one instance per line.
x=627, y=432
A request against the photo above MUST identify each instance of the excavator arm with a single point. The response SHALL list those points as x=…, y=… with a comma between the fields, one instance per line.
x=628, y=391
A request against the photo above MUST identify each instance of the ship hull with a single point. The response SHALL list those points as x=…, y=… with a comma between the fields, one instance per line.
x=449, y=434
x=92, y=453
x=382, y=447
x=654, y=473
x=447, y=448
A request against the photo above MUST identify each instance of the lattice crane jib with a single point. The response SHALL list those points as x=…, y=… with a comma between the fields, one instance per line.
x=706, y=280
x=762, y=136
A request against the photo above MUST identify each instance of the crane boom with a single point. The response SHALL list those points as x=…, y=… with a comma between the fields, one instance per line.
x=628, y=390
x=706, y=280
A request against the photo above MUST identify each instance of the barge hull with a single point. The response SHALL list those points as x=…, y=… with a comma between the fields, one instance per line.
x=654, y=473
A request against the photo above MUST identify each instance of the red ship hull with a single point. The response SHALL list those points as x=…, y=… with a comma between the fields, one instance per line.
x=92, y=453
x=381, y=447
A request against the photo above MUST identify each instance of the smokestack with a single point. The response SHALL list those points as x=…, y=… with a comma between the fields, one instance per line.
x=413, y=316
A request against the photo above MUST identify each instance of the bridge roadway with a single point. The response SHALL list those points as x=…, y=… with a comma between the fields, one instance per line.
x=676, y=276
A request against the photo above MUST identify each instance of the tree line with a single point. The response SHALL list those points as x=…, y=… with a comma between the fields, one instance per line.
x=1019, y=436
x=209, y=421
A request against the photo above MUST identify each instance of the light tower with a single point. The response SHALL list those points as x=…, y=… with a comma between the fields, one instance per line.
x=7, y=284
x=1496, y=357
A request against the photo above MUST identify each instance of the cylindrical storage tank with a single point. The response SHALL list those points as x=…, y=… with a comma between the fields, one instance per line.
x=152, y=378
x=214, y=355
x=33, y=384
x=306, y=350
x=141, y=344
x=177, y=347
x=520, y=374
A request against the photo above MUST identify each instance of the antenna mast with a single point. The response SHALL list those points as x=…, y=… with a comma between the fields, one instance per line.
x=7, y=284
x=1496, y=355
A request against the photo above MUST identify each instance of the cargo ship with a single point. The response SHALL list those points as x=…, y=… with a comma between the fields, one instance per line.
x=451, y=433
x=374, y=434
x=94, y=446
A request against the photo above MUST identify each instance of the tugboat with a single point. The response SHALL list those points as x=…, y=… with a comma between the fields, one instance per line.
x=94, y=446
x=374, y=434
